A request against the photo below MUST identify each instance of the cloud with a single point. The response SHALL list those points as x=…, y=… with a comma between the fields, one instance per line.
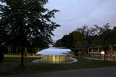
x=76, y=13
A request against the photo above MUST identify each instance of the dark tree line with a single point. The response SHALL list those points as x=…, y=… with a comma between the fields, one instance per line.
x=89, y=37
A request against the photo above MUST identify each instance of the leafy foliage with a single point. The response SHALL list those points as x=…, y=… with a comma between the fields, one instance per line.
x=90, y=37
x=26, y=22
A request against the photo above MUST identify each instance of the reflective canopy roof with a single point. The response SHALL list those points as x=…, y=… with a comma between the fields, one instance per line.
x=54, y=51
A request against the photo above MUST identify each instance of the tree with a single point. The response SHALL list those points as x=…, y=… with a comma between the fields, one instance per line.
x=103, y=35
x=90, y=37
x=26, y=20
x=68, y=40
x=2, y=40
x=112, y=38
x=59, y=43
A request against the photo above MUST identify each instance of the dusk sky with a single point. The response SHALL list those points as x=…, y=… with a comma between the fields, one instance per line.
x=76, y=13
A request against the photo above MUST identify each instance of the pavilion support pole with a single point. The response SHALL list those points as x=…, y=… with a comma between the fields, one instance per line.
x=104, y=58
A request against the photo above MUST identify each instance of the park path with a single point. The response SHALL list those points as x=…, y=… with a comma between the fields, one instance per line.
x=98, y=72
x=106, y=59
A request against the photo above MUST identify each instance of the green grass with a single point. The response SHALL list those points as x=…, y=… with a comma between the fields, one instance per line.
x=17, y=60
x=11, y=65
x=81, y=64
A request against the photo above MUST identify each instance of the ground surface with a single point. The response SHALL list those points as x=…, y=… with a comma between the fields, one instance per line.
x=11, y=66
x=98, y=72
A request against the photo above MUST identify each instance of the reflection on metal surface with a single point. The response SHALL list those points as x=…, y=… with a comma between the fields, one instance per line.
x=55, y=59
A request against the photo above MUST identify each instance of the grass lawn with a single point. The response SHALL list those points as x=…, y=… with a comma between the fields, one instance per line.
x=11, y=65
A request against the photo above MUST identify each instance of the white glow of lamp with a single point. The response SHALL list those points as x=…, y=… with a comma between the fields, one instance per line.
x=102, y=52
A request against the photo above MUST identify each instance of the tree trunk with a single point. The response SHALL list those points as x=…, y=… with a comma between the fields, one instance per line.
x=1, y=53
x=22, y=58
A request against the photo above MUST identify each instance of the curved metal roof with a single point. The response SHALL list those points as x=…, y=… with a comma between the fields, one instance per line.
x=54, y=51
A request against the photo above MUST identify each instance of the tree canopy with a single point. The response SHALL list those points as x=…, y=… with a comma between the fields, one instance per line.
x=89, y=37
x=27, y=22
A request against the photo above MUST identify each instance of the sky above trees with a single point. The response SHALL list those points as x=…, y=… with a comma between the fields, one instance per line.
x=76, y=13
